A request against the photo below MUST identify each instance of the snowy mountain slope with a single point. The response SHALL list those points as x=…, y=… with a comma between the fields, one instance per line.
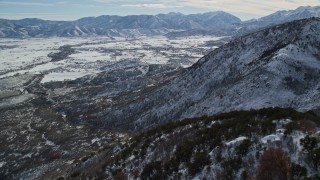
x=281, y=17
x=284, y=16
x=277, y=66
x=269, y=67
x=133, y=25
x=209, y=20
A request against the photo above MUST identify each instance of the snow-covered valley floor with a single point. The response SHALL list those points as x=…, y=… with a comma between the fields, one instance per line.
x=34, y=56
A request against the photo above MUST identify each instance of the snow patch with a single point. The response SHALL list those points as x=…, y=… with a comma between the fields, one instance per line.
x=62, y=76
x=95, y=140
x=2, y=163
x=270, y=138
x=239, y=139
x=47, y=141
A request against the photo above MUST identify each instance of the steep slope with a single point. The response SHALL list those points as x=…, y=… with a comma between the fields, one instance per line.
x=116, y=25
x=278, y=66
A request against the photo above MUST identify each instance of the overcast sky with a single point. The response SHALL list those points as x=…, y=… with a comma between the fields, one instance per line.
x=75, y=9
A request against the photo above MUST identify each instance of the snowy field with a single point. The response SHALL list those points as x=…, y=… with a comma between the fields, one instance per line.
x=30, y=56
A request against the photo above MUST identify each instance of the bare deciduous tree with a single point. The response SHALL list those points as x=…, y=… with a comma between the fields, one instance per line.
x=274, y=165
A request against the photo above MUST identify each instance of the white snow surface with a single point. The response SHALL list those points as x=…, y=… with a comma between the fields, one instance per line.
x=270, y=138
x=30, y=56
x=61, y=76
x=237, y=140
x=2, y=163
x=15, y=100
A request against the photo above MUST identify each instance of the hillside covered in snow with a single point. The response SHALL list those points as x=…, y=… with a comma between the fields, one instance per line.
x=285, y=16
x=274, y=67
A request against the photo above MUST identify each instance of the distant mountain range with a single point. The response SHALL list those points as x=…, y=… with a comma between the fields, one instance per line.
x=172, y=24
x=254, y=24
x=116, y=25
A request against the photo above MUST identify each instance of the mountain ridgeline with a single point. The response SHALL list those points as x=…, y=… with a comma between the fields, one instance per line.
x=275, y=67
x=133, y=25
x=254, y=24
x=172, y=25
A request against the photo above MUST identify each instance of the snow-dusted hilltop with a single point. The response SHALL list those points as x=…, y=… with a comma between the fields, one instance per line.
x=133, y=25
x=274, y=67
